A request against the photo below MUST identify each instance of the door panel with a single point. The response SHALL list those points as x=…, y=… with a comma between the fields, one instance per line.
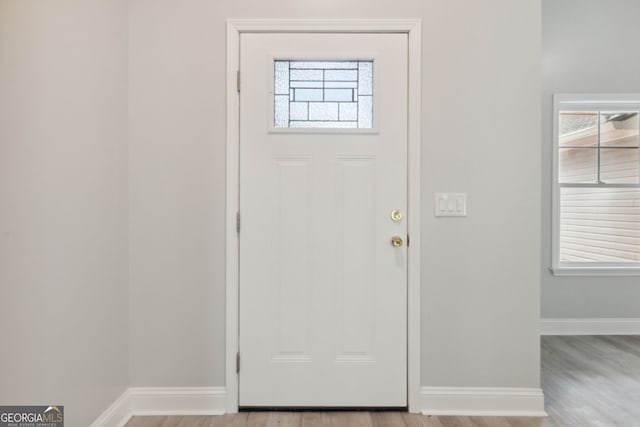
x=322, y=291
x=355, y=200
x=293, y=237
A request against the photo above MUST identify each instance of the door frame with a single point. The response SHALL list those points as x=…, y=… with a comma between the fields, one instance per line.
x=411, y=27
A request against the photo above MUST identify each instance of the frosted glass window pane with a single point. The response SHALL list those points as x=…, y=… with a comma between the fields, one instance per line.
x=282, y=78
x=324, y=65
x=307, y=95
x=341, y=75
x=365, y=111
x=281, y=110
x=318, y=124
x=324, y=111
x=306, y=75
x=311, y=84
x=339, y=95
x=365, y=78
x=323, y=94
x=338, y=85
x=299, y=110
x=349, y=111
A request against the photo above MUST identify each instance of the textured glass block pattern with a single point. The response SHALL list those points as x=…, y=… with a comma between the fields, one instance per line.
x=323, y=94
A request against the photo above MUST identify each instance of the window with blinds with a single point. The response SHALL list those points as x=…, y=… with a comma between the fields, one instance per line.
x=597, y=183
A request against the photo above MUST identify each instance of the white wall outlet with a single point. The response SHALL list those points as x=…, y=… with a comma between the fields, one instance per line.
x=450, y=204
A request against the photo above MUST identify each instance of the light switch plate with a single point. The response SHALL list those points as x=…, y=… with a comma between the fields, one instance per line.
x=450, y=204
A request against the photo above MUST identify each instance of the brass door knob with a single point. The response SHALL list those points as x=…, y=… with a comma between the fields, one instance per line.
x=396, y=215
x=396, y=241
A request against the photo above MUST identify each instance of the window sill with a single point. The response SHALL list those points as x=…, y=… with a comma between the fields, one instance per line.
x=596, y=271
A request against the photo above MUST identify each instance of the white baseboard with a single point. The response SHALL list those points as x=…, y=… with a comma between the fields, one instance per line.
x=591, y=326
x=163, y=401
x=212, y=400
x=177, y=400
x=116, y=415
x=475, y=401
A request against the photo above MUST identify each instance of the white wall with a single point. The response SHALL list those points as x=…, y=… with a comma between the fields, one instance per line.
x=63, y=224
x=481, y=133
x=589, y=46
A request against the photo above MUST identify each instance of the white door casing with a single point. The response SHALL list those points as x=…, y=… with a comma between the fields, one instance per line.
x=337, y=366
x=322, y=290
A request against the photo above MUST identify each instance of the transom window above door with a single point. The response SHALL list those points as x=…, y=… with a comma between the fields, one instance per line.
x=323, y=94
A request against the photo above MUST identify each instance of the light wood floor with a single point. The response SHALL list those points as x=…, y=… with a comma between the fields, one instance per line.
x=588, y=381
x=592, y=381
x=332, y=419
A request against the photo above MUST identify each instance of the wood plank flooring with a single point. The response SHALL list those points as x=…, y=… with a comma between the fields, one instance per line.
x=333, y=419
x=592, y=381
x=588, y=381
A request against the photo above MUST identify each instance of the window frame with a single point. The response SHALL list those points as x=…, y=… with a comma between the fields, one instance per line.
x=585, y=102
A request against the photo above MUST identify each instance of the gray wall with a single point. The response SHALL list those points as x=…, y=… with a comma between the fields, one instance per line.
x=481, y=133
x=66, y=225
x=63, y=218
x=589, y=46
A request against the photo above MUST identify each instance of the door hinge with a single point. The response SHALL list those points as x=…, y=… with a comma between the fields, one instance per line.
x=238, y=81
x=408, y=241
x=237, y=362
x=238, y=222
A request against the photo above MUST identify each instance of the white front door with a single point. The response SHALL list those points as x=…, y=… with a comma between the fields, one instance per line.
x=323, y=164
